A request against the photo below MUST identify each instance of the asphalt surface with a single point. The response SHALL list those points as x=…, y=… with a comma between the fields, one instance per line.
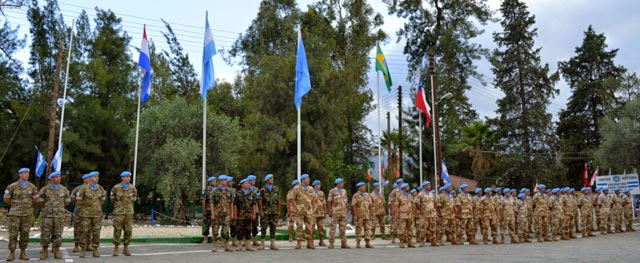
x=621, y=247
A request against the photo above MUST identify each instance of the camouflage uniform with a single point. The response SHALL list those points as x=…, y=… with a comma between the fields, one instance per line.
x=586, y=210
x=596, y=208
x=53, y=213
x=508, y=218
x=489, y=215
x=319, y=213
x=569, y=213
x=425, y=204
x=616, y=210
x=20, y=213
x=361, y=202
x=338, y=201
x=244, y=203
x=556, y=217
x=628, y=212
x=207, y=225
x=292, y=211
x=405, y=214
x=379, y=212
x=465, y=206
x=394, y=221
x=540, y=204
x=76, y=217
x=303, y=197
x=448, y=217
x=530, y=227
x=269, y=199
x=256, y=198
x=604, y=205
x=477, y=224
x=90, y=214
x=221, y=199
x=497, y=202
x=522, y=208
x=123, y=199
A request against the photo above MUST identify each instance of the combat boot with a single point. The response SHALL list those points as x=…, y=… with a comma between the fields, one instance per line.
x=56, y=252
x=501, y=239
x=205, y=240
x=299, y=244
x=96, y=252
x=273, y=245
x=310, y=243
x=393, y=238
x=495, y=240
x=321, y=243
x=125, y=251
x=247, y=244
x=514, y=240
x=44, y=253
x=565, y=237
x=12, y=255
x=238, y=245
x=472, y=241
x=261, y=247
x=410, y=243
x=83, y=251
x=23, y=255
x=291, y=233
x=368, y=244
x=358, y=244
x=255, y=241
x=227, y=248
x=75, y=248
x=401, y=243
x=234, y=242
x=345, y=245
x=89, y=248
x=485, y=240
x=434, y=243
x=214, y=247
x=384, y=236
x=115, y=250
x=330, y=245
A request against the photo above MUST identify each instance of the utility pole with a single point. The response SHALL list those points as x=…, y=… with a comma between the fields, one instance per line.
x=436, y=118
x=400, y=130
x=54, y=108
x=388, y=144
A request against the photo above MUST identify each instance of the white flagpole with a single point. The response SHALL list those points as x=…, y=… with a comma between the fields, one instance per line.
x=299, y=168
x=420, y=143
x=379, y=133
x=433, y=127
x=204, y=142
x=64, y=93
x=135, y=148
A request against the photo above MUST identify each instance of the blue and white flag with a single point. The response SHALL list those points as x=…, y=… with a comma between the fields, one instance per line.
x=445, y=173
x=41, y=163
x=57, y=160
x=303, y=79
x=144, y=61
x=208, y=80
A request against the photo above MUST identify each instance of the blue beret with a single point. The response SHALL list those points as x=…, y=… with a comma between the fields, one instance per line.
x=212, y=178
x=527, y=190
x=566, y=188
x=339, y=180
x=425, y=183
x=85, y=176
x=463, y=186
x=521, y=196
x=542, y=186
x=441, y=189
x=304, y=176
x=549, y=190
x=506, y=190
x=513, y=191
x=412, y=191
x=229, y=178
x=94, y=173
x=54, y=174
x=294, y=182
x=497, y=190
x=243, y=181
x=572, y=189
x=269, y=176
x=626, y=191
x=478, y=190
x=433, y=191
x=222, y=177
x=395, y=185
x=420, y=188
x=598, y=189
x=316, y=182
x=446, y=186
x=399, y=180
x=404, y=185
x=125, y=174
x=522, y=190
x=488, y=189
x=24, y=170
x=616, y=189
x=376, y=184
x=555, y=190
x=251, y=177
x=385, y=184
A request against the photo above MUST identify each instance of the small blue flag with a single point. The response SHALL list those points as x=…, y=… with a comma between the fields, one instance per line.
x=41, y=163
x=57, y=160
x=303, y=80
x=208, y=79
x=445, y=173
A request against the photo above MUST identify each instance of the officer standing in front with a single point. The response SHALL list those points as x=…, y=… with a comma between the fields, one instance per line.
x=337, y=207
x=123, y=195
x=90, y=197
x=53, y=198
x=20, y=195
x=361, y=207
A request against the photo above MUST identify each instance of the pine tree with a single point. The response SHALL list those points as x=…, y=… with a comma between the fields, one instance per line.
x=523, y=122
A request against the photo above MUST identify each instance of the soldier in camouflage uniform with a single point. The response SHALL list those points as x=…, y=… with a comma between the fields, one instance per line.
x=529, y=201
x=541, y=210
x=522, y=211
x=627, y=201
x=497, y=201
x=303, y=195
x=20, y=195
x=269, y=204
x=251, y=179
x=488, y=215
x=206, y=212
x=76, y=214
x=379, y=211
x=476, y=211
x=392, y=200
x=594, y=201
x=53, y=198
x=222, y=212
x=233, y=225
x=319, y=211
x=586, y=210
x=337, y=207
x=508, y=216
x=405, y=213
x=292, y=210
x=604, y=205
x=464, y=207
x=448, y=216
x=616, y=210
x=90, y=197
x=123, y=195
x=569, y=212
x=362, y=214
x=556, y=214
x=244, y=203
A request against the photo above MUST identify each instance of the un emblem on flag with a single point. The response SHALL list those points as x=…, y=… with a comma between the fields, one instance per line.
x=616, y=178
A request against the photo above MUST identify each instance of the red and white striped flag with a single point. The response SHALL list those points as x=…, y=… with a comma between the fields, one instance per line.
x=585, y=176
x=595, y=175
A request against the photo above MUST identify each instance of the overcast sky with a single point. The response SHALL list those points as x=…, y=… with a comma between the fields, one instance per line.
x=560, y=29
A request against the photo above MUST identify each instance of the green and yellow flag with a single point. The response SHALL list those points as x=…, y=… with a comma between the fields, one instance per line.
x=381, y=65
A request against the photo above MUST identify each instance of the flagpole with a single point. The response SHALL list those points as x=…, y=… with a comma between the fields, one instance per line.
x=204, y=141
x=135, y=151
x=299, y=168
x=420, y=143
x=64, y=92
x=379, y=131
x=433, y=127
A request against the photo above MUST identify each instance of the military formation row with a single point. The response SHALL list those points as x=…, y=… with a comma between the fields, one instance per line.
x=88, y=199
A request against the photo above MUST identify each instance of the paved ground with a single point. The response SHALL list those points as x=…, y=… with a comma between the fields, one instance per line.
x=608, y=248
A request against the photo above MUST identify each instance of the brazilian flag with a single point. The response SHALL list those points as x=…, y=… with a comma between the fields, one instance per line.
x=381, y=65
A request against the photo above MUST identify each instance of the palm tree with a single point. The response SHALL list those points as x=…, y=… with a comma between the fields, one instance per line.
x=478, y=138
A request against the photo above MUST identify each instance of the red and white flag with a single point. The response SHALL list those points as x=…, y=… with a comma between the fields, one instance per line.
x=421, y=103
x=585, y=176
x=595, y=175
x=535, y=188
